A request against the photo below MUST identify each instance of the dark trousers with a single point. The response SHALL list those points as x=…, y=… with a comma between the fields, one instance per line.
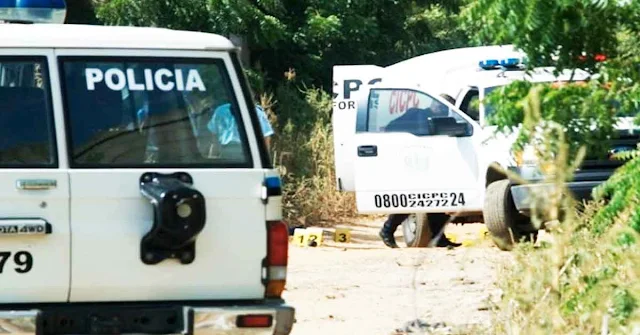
x=395, y=220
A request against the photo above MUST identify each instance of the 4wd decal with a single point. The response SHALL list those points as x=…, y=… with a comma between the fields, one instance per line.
x=162, y=79
x=15, y=227
x=419, y=200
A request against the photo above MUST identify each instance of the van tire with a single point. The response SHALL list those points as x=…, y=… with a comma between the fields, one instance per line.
x=504, y=223
x=420, y=234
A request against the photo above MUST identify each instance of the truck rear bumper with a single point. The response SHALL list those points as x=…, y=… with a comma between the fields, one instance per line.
x=148, y=319
x=521, y=194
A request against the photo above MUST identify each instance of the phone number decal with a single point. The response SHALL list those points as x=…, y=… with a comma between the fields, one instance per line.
x=441, y=199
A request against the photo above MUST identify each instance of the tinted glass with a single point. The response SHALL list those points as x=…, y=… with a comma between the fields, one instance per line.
x=152, y=112
x=404, y=110
x=26, y=119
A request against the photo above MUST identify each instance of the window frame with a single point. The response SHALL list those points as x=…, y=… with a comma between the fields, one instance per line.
x=53, y=140
x=451, y=107
x=175, y=59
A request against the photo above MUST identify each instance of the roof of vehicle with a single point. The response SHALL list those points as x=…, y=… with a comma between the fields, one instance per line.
x=47, y=35
x=489, y=78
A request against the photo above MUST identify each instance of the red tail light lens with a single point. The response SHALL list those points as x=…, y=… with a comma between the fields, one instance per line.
x=254, y=321
x=277, y=258
x=278, y=241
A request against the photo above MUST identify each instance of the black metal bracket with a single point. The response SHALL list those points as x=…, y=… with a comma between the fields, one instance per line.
x=179, y=215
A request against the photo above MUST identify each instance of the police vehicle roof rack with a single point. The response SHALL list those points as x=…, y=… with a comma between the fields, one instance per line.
x=33, y=11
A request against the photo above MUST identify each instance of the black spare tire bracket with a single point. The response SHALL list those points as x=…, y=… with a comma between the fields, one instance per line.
x=179, y=215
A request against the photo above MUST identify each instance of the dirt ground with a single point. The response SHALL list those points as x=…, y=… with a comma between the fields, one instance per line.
x=363, y=287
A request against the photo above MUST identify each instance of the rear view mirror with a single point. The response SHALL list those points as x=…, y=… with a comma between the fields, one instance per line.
x=449, y=126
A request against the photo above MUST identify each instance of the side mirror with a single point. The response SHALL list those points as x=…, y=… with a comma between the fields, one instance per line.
x=449, y=126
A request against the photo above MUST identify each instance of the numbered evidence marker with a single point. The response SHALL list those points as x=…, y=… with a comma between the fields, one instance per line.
x=314, y=237
x=342, y=235
x=300, y=237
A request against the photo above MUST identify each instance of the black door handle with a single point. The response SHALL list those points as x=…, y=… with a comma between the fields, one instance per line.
x=367, y=151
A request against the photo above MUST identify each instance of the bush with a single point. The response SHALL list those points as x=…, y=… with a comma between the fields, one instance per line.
x=303, y=152
x=586, y=278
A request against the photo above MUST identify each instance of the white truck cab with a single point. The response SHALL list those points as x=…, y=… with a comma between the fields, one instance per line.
x=398, y=157
x=121, y=211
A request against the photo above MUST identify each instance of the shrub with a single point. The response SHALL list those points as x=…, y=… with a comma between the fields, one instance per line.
x=585, y=280
x=303, y=152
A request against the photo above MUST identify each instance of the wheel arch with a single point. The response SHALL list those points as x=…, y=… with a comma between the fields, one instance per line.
x=492, y=175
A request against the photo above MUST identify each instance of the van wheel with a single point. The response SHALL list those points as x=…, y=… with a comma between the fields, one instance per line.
x=416, y=228
x=503, y=221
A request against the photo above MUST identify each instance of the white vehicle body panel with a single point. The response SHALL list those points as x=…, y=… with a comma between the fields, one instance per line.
x=47, y=278
x=350, y=94
x=45, y=35
x=109, y=217
x=409, y=173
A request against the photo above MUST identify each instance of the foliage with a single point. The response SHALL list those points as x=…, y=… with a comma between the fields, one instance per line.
x=576, y=281
x=80, y=12
x=584, y=280
x=304, y=154
x=546, y=29
x=308, y=35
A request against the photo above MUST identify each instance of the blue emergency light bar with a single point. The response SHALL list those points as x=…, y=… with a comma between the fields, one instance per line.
x=508, y=63
x=33, y=11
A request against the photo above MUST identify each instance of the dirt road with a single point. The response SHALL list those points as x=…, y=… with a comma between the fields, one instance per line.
x=363, y=287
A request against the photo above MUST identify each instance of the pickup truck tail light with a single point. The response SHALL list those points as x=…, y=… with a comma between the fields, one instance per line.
x=277, y=258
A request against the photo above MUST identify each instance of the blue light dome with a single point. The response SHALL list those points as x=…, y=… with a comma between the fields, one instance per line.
x=33, y=11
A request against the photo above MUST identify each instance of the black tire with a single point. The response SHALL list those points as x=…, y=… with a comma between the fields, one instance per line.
x=505, y=224
x=417, y=228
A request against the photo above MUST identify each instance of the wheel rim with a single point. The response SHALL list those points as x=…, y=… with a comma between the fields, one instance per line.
x=410, y=225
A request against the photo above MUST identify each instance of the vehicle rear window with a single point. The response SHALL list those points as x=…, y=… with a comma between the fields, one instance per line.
x=161, y=112
x=27, y=136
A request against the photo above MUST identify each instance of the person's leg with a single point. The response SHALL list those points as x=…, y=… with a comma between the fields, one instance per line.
x=389, y=227
x=436, y=227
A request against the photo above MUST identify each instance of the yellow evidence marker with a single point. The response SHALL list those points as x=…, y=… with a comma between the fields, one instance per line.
x=342, y=235
x=314, y=237
x=300, y=237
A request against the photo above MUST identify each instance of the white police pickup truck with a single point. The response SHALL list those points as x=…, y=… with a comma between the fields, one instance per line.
x=400, y=157
x=120, y=213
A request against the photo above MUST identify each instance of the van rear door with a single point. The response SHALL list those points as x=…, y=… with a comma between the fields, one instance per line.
x=350, y=92
x=34, y=185
x=133, y=121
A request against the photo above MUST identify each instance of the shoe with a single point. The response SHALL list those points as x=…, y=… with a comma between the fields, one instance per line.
x=387, y=238
x=444, y=242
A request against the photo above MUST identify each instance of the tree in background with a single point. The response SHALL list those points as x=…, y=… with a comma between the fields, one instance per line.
x=81, y=12
x=580, y=283
x=307, y=35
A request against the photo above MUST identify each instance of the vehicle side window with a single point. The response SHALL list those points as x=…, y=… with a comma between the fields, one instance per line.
x=470, y=104
x=27, y=135
x=132, y=112
x=414, y=112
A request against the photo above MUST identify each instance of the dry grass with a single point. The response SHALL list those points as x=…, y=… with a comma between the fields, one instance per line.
x=580, y=282
x=304, y=155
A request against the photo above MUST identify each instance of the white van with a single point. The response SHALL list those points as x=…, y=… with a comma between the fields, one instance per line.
x=120, y=211
x=397, y=160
